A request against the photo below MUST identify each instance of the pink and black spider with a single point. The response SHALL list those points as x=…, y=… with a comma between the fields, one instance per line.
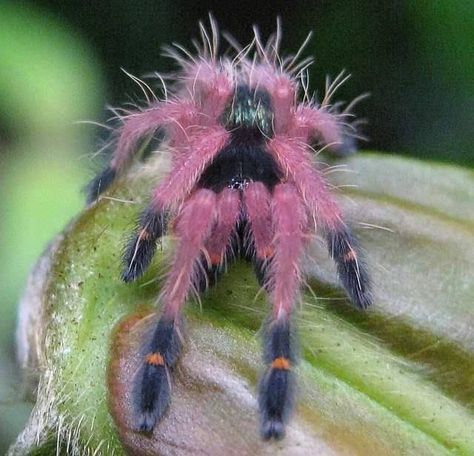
x=243, y=184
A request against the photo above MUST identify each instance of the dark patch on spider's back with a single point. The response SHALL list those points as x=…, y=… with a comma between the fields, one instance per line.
x=238, y=162
x=249, y=119
x=252, y=110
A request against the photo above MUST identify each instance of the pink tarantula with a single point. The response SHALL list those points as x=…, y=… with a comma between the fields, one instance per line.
x=243, y=184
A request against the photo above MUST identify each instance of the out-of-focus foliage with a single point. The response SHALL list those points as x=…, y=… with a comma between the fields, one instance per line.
x=48, y=81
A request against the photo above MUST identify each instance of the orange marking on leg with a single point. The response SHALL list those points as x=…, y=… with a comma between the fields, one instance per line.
x=268, y=251
x=281, y=363
x=156, y=359
x=350, y=256
x=144, y=235
x=215, y=259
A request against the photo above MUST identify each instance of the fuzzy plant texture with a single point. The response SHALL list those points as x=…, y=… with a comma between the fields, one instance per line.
x=395, y=379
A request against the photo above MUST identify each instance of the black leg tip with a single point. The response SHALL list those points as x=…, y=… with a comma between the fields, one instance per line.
x=152, y=389
x=348, y=147
x=152, y=396
x=363, y=300
x=351, y=267
x=273, y=429
x=139, y=251
x=129, y=276
x=100, y=183
x=131, y=273
x=276, y=402
x=146, y=422
x=137, y=257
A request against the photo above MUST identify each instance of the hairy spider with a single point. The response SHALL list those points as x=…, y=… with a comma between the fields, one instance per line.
x=243, y=183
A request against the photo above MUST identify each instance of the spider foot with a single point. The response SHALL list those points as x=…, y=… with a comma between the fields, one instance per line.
x=276, y=398
x=100, y=183
x=346, y=148
x=276, y=394
x=142, y=247
x=351, y=267
x=153, y=393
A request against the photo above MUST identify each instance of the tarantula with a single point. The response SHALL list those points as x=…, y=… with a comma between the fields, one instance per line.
x=243, y=183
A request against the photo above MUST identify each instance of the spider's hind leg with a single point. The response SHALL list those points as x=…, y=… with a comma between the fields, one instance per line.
x=258, y=231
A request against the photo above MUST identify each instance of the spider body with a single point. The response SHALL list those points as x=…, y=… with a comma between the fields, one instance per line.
x=246, y=158
x=242, y=183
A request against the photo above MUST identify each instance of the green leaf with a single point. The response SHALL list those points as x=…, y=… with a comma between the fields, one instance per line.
x=397, y=379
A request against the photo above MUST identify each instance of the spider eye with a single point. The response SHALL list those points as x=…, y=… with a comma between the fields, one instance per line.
x=250, y=109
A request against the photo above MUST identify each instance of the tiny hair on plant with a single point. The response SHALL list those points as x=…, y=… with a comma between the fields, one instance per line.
x=242, y=130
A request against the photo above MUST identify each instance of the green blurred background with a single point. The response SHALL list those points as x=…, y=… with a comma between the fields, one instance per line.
x=60, y=63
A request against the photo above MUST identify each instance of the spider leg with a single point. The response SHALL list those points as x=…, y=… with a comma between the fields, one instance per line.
x=153, y=393
x=135, y=127
x=351, y=267
x=328, y=128
x=189, y=166
x=100, y=183
x=218, y=246
x=257, y=200
x=276, y=387
x=178, y=184
x=142, y=246
x=227, y=217
x=295, y=159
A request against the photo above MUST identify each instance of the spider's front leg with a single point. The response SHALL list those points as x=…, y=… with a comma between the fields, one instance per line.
x=193, y=227
x=284, y=280
x=351, y=268
x=327, y=128
x=295, y=159
x=142, y=246
x=168, y=195
x=136, y=126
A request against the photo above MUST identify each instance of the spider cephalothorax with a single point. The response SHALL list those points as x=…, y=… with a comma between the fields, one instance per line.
x=243, y=183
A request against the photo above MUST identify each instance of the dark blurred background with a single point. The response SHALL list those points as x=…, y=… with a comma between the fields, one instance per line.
x=416, y=58
x=60, y=63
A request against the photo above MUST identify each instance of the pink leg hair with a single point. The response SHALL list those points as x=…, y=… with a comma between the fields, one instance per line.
x=212, y=89
x=296, y=162
x=193, y=228
x=228, y=214
x=140, y=124
x=283, y=91
x=188, y=168
x=257, y=206
x=210, y=84
x=289, y=221
x=319, y=124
